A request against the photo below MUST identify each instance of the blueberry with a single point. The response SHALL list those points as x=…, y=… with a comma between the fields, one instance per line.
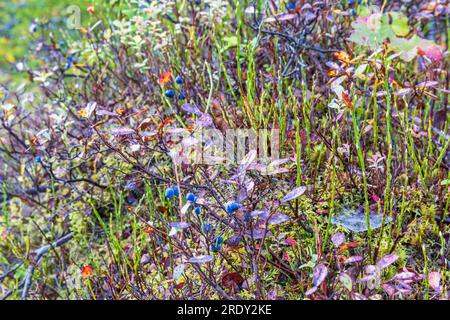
x=170, y=93
x=179, y=80
x=176, y=191
x=217, y=244
x=69, y=62
x=170, y=193
x=181, y=96
x=197, y=210
x=291, y=5
x=231, y=207
x=207, y=227
x=62, y=43
x=34, y=27
x=38, y=159
x=191, y=197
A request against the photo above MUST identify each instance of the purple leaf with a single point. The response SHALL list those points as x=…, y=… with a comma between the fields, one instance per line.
x=101, y=112
x=204, y=120
x=297, y=192
x=259, y=213
x=358, y=296
x=122, y=131
x=390, y=290
x=434, y=279
x=353, y=259
x=272, y=294
x=258, y=234
x=338, y=238
x=311, y=291
x=387, y=261
x=368, y=278
x=319, y=274
x=407, y=275
x=201, y=259
x=190, y=108
x=180, y=225
x=277, y=219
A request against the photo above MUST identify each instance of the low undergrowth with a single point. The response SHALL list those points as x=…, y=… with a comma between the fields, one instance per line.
x=101, y=198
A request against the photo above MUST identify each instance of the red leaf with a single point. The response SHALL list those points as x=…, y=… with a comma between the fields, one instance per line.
x=232, y=280
x=291, y=242
x=375, y=198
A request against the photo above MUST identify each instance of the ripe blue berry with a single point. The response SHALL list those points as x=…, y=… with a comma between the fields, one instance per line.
x=176, y=191
x=179, y=80
x=170, y=93
x=217, y=244
x=69, y=61
x=197, y=210
x=38, y=159
x=207, y=227
x=181, y=96
x=231, y=207
x=291, y=5
x=191, y=197
x=170, y=193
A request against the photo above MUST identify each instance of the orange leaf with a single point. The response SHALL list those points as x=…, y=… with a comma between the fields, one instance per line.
x=342, y=56
x=87, y=271
x=91, y=9
x=164, y=123
x=347, y=101
x=332, y=73
x=165, y=77
x=348, y=246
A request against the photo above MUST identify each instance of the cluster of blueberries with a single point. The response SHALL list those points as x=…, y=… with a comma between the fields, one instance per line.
x=175, y=192
x=172, y=192
x=231, y=208
x=170, y=93
x=69, y=61
x=217, y=244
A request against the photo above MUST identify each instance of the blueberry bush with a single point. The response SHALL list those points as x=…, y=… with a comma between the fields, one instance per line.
x=104, y=104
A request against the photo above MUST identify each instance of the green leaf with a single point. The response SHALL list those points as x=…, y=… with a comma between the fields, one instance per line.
x=346, y=281
x=398, y=22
